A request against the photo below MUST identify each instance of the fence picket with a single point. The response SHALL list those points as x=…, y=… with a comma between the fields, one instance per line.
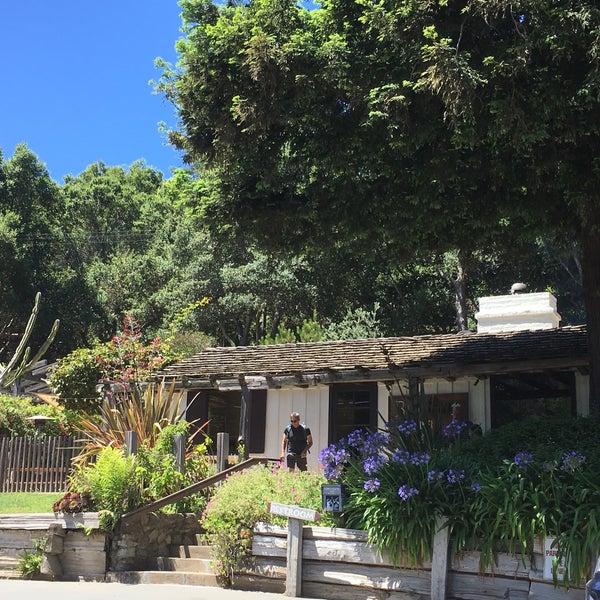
x=35, y=464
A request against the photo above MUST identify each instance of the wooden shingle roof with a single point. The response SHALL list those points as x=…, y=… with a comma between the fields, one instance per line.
x=445, y=355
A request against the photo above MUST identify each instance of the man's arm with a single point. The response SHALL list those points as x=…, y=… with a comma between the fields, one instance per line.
x=309, y=443
x=283, y=445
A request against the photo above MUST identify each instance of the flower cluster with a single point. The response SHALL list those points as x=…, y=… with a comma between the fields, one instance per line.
x=571, y=461
x=523, y=458
x=456, y=429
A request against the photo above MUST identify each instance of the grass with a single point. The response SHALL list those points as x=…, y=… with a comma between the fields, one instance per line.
x=27, y=502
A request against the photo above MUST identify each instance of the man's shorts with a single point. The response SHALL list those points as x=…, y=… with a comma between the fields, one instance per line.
x=295, y=460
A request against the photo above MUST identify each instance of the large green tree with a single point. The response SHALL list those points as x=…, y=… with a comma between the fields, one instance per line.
x=450, y=126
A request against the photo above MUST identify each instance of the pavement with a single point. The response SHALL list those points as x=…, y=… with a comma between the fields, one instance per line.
x=59, y=590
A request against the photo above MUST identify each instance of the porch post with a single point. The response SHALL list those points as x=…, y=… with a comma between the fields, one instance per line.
x=244, y=416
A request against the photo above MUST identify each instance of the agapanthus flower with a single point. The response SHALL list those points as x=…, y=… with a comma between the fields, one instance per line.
x=570, y=461
x=333, y=458
x=407, y=427
x=435, y=475
x=372, y=485
x=375, y=443
x=455, y=429
x=372, y=464
x=523, y=458
x=400, y=456
x=476, y=486
x=356, y=439
x=419, y=458
x=455, y=475
x=406, y=491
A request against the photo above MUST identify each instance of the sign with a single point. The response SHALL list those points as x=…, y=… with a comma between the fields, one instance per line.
x=293, y=512
x=549, y=557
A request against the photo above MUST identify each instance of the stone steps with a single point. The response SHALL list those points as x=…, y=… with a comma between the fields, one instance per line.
x=185, y=565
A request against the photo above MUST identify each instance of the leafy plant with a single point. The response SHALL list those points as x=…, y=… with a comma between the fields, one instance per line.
x=15, y=413
x=241, y=502
x=146, y=412
x=399, y=482
x=30, y=562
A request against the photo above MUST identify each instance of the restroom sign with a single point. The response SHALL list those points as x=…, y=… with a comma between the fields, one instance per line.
x=550, y=553
x=293, y=512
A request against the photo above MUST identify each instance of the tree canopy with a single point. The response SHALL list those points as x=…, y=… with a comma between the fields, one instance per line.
x=450, y=125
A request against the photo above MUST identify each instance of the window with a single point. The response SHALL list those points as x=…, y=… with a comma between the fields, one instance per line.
x=222, y=411
x=351, y=406
x=519, y=395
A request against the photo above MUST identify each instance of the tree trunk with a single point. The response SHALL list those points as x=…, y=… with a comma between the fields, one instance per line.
x=460, y=298
x=590, y=263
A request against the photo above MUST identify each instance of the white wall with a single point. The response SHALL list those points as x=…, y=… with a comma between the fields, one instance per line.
x=312, y=404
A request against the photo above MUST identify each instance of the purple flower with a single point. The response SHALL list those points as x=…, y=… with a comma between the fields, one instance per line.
x=375, y=443
x=356, y=439
x=406, y=491
x=475, y=486
x=333, y=458
x=407, y=427
x=419, y=458
x=523, y=458
x=372, y=464
x=570, y=461
x=400, y=456
x=372, y=485
x=455, y=429
x=455, y=476
x=435, y=475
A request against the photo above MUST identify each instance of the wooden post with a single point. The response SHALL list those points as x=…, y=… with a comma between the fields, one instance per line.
x=293, y=582
x=245, y=409
x=131, y=442
x=296, y=515
x=179, y=451
x=222, y=451
x=439, y=561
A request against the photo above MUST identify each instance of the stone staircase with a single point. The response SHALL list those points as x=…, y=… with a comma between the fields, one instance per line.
x=185, y=565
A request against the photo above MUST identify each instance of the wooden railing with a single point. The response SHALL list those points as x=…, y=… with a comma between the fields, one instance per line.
x=195, y=487
x=36, y=464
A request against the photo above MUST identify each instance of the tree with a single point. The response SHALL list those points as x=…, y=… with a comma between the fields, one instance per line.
x=448, y=126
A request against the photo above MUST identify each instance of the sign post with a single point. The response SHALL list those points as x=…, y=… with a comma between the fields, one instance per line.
x=296, y=515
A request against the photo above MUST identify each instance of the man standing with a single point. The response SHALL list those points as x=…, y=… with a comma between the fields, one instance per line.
x=295, y=444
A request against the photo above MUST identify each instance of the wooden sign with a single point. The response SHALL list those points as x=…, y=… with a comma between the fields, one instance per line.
x=293, y=512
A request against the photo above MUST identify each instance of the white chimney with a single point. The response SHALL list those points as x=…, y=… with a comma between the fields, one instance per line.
x=518, y=311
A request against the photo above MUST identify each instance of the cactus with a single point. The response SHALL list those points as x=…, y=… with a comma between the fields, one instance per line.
x=20, y=362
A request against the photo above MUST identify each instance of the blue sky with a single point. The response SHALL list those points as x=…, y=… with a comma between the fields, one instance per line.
x=75, y=82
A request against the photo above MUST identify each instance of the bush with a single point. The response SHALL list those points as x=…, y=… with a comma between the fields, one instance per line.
x=502, y=490
x=241, y=501
x=16, y=410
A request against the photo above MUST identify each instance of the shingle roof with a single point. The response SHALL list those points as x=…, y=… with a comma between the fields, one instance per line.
x=443, y=355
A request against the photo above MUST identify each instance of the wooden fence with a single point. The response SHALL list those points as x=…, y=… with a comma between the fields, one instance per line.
x=36, y=464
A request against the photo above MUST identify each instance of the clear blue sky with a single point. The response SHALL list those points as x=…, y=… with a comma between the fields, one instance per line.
x=75, y=81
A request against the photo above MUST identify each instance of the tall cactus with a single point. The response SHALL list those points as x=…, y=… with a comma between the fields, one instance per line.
x=20, y=362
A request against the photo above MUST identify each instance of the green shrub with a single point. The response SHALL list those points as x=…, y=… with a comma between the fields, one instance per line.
x=241, y=501
x=30, y=562
x=501, y=491
x=116, y=483
x=16, y=410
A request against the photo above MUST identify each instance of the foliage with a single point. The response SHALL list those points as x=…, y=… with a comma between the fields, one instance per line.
x=124, y=361
x=74, y=378
x=116, y=483
x=241, y=501
x=30, y=562
x=357, y=324
x=111, y=483
x=15, y=413
x=146, y=412
x=398, y=483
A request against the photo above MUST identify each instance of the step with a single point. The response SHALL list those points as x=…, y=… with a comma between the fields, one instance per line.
x=191, y=565
x=186, y=551
x=168, y=577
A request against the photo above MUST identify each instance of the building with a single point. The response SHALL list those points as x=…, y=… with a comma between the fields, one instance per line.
x=519, y=362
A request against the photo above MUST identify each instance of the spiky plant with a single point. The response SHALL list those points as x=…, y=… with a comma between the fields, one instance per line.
x=144, y=411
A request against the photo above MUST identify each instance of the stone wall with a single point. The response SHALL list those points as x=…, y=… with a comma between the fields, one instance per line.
x=137, y=542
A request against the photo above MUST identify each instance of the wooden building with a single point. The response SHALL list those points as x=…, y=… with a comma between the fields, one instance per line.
x=519, y=362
